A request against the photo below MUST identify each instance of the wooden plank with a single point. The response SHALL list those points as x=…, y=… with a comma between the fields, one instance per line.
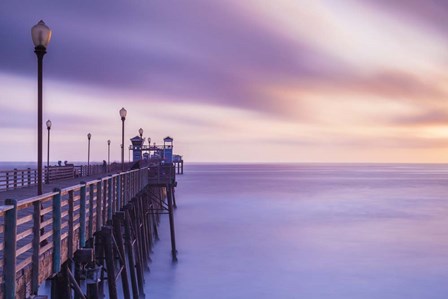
x=24, y=263
x=46, y=222
x=24, y=219
x=46, y=235
x=23, y=249
x=64, y=225
x=64, y=235
x=5, y=208
x=25, y=203
x=76, y=217
x=24, y=234
x=64, y=214
x=47, y=210
x=45, y=248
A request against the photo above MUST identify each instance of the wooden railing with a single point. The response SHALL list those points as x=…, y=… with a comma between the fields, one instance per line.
x=38, y=234
x=19, y=178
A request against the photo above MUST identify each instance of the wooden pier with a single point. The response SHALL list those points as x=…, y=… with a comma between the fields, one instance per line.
x=95, y=230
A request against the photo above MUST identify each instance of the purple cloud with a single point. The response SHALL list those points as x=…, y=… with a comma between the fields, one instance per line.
x=194, y=51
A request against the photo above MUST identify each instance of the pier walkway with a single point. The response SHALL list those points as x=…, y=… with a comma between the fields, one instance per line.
x=84, y=231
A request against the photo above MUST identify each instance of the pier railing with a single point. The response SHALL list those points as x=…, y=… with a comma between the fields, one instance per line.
x=17, y=178
x=20, y=178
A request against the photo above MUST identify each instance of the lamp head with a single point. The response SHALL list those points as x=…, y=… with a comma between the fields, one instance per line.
x=123, y=113
x=89, y=136
x=41, y=34
x=48, y=124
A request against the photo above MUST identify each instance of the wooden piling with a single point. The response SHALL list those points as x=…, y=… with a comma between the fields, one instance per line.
x=171, y=217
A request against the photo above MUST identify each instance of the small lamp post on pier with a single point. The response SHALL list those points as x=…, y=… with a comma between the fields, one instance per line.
x=108, y=154
x=140, y=131
x=123, y=113
x=41, y=35
x=88, y=153
x=48, y=151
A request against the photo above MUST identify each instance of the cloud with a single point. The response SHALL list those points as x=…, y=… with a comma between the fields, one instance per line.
x=424, y=118
x=195, y=51
x=432, y=14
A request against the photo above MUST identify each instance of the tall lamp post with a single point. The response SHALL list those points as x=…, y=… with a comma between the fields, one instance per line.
x=48, y=151
x=140, y=131
x=88, y=153
x=108, y=155
x=123, y=113
x=149, y=148
x=41, y=35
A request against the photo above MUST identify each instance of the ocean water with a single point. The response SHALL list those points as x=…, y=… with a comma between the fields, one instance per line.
x=306, y=231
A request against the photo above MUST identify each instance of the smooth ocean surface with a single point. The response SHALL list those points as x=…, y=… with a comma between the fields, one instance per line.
x=306, y=231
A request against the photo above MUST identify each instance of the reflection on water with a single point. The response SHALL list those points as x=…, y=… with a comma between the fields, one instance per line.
x=307, y=231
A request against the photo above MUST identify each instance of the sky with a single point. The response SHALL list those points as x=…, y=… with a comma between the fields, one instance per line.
x=230, y=81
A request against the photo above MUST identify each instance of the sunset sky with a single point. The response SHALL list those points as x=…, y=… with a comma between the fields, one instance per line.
x=231, y=80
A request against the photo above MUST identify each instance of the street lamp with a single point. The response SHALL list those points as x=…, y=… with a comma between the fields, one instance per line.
x=108, y=154
x=88, y=153
x=123, y=113
x=149, y=148
x=140, y=131
x=41, y=35
x=48, y=151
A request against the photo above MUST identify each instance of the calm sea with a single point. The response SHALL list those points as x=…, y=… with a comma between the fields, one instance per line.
x=306, y=231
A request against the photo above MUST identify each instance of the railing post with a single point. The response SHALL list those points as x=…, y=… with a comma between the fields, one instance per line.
x=125, y=188
x=37, y=219
x=57, y=231
x=15, y=178
x=9, y=253
x=29, y=176
x=109, y=198
x=71, y=231
x=7, y=180
x=99, y=222
x=118, y=186
x=91, y=196
x=114, y=193
x=82, y=215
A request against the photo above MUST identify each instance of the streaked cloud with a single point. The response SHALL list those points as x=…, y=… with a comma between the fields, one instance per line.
x=360, y=76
